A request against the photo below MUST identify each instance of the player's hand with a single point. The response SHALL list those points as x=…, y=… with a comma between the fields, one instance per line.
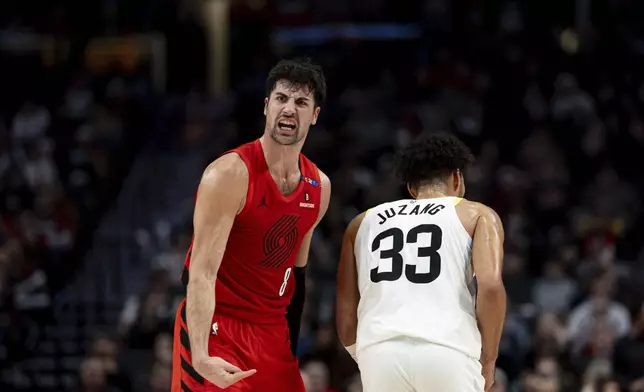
x=220, y=372
x=487, y=370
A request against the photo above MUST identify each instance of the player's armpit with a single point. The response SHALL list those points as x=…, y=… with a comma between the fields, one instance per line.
x=221, y=196
x=348, y=295
x=487, y=259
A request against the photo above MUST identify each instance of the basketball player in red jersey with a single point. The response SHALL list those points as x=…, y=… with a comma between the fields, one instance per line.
x=256, y=209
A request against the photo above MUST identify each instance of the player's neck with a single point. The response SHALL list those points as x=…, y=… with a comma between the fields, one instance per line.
x=281, y=160
x=432, y=192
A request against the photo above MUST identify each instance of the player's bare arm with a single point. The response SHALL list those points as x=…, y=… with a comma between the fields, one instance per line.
x=296, y=307
x=487, y=259
x=303, y=253
x=348, y=295
x=221, y=197
x=486, y=229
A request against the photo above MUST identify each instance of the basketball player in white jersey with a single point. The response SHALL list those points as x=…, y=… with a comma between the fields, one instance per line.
x=409, y=308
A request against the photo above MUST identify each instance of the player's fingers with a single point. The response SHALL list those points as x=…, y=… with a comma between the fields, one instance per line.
x=242, y=375
x=229, y=367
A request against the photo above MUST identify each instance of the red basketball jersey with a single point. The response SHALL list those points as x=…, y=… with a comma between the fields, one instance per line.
x=255, y=280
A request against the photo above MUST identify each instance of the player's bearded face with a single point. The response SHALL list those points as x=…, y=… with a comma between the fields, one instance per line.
x=290, y=111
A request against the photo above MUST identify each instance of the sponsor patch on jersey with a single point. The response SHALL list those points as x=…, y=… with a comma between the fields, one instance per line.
x=307, y=205
x=310, y=181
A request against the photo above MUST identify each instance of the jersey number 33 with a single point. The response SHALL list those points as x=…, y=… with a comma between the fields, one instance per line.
x=400, y=240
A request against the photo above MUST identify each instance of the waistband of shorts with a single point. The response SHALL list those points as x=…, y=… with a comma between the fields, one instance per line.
x=250, y=316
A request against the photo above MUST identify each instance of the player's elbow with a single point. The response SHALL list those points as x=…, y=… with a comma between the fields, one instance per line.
x=199, y=283
x=206, y=267
x=490, y=287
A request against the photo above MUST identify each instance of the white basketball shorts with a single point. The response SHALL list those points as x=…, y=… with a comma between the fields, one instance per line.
x=408, y=365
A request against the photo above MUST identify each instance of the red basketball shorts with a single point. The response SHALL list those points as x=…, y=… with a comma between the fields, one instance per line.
x=265, y=348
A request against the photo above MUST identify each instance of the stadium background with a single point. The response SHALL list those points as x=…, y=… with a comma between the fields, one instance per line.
x=110, y=110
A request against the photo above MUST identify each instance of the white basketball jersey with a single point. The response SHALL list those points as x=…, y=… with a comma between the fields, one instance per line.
x=415, y=275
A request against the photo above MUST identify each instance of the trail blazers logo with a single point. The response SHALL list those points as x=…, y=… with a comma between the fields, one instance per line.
x=280, y=241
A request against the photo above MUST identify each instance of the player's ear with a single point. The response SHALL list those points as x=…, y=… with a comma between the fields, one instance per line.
x=462, y=179
x=457, y=179
x=316, y=113
x=265, y=105
x=411, y=190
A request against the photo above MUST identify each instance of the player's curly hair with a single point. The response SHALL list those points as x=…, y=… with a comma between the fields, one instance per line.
x=299, y=71
x=431, y=157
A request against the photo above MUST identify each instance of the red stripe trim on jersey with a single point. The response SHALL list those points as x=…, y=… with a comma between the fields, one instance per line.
x=187, y=367
x=184, y=387
x=185, y=339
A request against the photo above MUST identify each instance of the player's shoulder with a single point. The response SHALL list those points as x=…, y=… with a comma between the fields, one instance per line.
x=480, y=207
x=325, y=181
x=470, y=212
x=475, y=207
x=354, y=226
x=228, y=168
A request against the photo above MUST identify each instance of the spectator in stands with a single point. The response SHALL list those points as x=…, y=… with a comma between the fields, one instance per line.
x=106, y=350
x=515, y=342
x=38, y=165
x=78, y=99
x=636, y=386
x=30, y=123
x=147, y=315
x=546, y=376
x=554, y=291
x=596, y=322
x=516, y=279
x=172, y=260
x=597, y=376
x=160, y=378
x=93, y=377
x=550, y=336
x=628, y=354
x=163, y=349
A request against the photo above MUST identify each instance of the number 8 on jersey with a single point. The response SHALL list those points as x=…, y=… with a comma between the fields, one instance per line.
x=287, y=274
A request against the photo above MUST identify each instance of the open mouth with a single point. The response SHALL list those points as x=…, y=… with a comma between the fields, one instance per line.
x=287, y=126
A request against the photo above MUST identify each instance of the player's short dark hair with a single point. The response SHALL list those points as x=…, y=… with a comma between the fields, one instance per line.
x=431, y=157
x=299, y=71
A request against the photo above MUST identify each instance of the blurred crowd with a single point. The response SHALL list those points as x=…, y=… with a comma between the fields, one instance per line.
x=67, y=141
x=554, y=119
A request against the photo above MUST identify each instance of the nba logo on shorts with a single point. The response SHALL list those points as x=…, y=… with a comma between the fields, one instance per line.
x=215, y=327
